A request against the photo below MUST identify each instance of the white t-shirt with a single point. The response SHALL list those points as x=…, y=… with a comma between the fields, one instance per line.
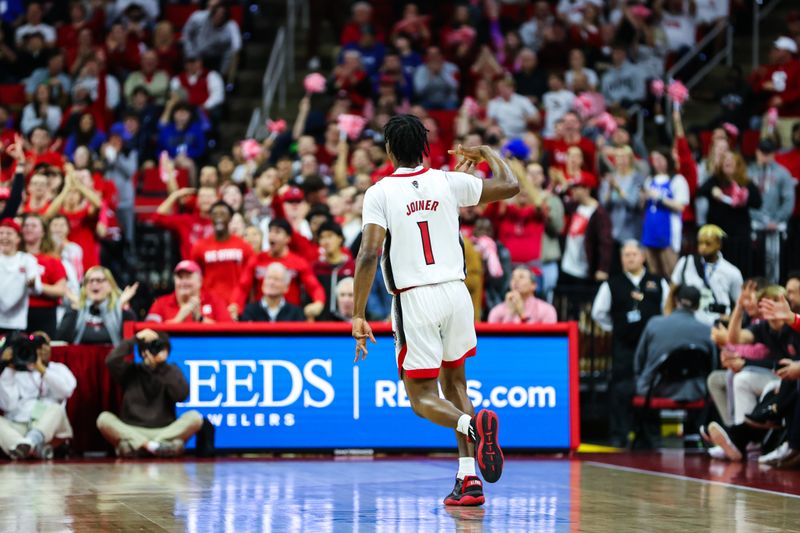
x=512, y=115
x=574, y=262
x=419, y=210
x=724, y=284
x=15, y=273
x=556, y=104
x=680, y=31
x=591, y=77
x=571, y=10
x=680, y=193
x=711, y=10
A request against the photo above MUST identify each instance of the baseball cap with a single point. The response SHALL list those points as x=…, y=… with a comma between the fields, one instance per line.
x=10, y=223
x=187, y=266
x=689, y=296
x=766, y=146
x=5, y=193
x=293, y=194
x=785, y=43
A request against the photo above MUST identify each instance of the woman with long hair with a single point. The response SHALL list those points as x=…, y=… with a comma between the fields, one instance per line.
x=97, y=315
x=619, y=194
x=41, y=112
x=665, y=195
x=731, y=195
x=71, y=256
x=19, y=277
x=42, y=307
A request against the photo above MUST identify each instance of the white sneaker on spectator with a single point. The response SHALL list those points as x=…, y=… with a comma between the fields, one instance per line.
x=720, y=437
x=775, y=455
x=717, y=452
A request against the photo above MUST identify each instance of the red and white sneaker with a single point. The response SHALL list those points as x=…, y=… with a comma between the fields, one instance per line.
x=483, y=432
x=467, y=492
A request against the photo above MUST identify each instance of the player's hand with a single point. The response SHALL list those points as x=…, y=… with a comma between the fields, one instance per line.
x=362, y=332
x=472, y=153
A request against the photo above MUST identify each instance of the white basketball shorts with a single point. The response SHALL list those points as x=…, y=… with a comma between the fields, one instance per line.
x=434, y=326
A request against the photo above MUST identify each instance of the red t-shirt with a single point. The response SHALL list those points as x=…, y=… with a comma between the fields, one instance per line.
x=82, y=224
x=791, y=160
x=300, y=270
x=222, y=263
x=558, y=152
x=166, y=308
x=26, y=208
x=520, y=229
x=191, y=228
x=51, y=271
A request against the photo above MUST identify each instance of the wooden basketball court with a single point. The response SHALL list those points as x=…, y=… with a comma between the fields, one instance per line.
x=603, y=492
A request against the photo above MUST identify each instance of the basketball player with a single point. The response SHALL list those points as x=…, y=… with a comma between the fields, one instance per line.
x=413, y=215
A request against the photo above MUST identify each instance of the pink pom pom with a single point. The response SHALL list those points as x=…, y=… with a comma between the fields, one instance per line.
x=772, y=117
x=640, y=11
x=657, y=88
x=732, y=130
x=277, y=126
x=471, y=106
x=607, y=123
x=314, y=83
x=351, y=125
x=251, y=149
x=677, y=92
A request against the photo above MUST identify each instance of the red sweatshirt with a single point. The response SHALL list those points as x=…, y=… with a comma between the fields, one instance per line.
x=222, y=263
x=688, y=169
x=191, y=228
x=786, y=81
x=791, y=160
x=253, y=276
x=519, y=228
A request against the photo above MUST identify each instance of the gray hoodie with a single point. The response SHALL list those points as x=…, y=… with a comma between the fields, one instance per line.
x=623, y=83
x=777, y=194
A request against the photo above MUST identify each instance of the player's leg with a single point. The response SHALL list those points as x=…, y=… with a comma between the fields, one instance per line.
x=423, y=393
x=460, y=342
x=454, y=387
x=468, y=489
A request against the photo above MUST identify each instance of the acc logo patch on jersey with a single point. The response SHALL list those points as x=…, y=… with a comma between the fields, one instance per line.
x=415, y=183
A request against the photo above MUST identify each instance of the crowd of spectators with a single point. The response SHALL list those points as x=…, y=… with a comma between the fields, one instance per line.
x=268, y=231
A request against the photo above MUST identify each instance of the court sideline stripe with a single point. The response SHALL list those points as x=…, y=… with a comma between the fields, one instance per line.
x=689, y=478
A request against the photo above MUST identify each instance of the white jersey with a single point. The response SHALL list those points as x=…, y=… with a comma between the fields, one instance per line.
x=418, y=208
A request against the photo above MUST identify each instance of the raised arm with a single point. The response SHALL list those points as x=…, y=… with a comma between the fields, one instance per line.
x=504, y=183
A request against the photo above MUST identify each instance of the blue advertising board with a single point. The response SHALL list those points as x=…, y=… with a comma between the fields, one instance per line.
x=303, y=391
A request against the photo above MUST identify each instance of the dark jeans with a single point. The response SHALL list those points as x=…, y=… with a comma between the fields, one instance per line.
x=42, y=319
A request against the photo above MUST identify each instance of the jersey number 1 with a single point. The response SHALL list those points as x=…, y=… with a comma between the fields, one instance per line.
x=426, y=242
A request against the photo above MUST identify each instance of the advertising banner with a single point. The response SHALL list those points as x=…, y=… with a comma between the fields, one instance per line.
x=298, y=388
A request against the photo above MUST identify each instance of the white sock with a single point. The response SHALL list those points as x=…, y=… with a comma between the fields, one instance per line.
x=151, y=446
x=463, y=424
x=466, y=467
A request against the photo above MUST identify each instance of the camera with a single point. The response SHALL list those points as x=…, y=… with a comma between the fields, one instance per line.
x=153, y=347
x=717, y=308
x=23, y=349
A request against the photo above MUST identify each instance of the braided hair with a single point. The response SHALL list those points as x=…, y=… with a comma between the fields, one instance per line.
x=407, y=138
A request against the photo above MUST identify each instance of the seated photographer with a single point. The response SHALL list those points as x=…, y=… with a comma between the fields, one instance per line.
x=662, y=335
x=718, y=280
x=273, y=306
x=147, y=423
x=97, y=316
x=33, y=393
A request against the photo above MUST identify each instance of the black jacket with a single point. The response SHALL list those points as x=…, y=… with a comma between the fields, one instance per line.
x=255, y=312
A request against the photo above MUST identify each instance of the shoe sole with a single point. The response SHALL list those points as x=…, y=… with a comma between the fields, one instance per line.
x=21, y=451
x=488, y=452
x=720, y=438
x=466, y=501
